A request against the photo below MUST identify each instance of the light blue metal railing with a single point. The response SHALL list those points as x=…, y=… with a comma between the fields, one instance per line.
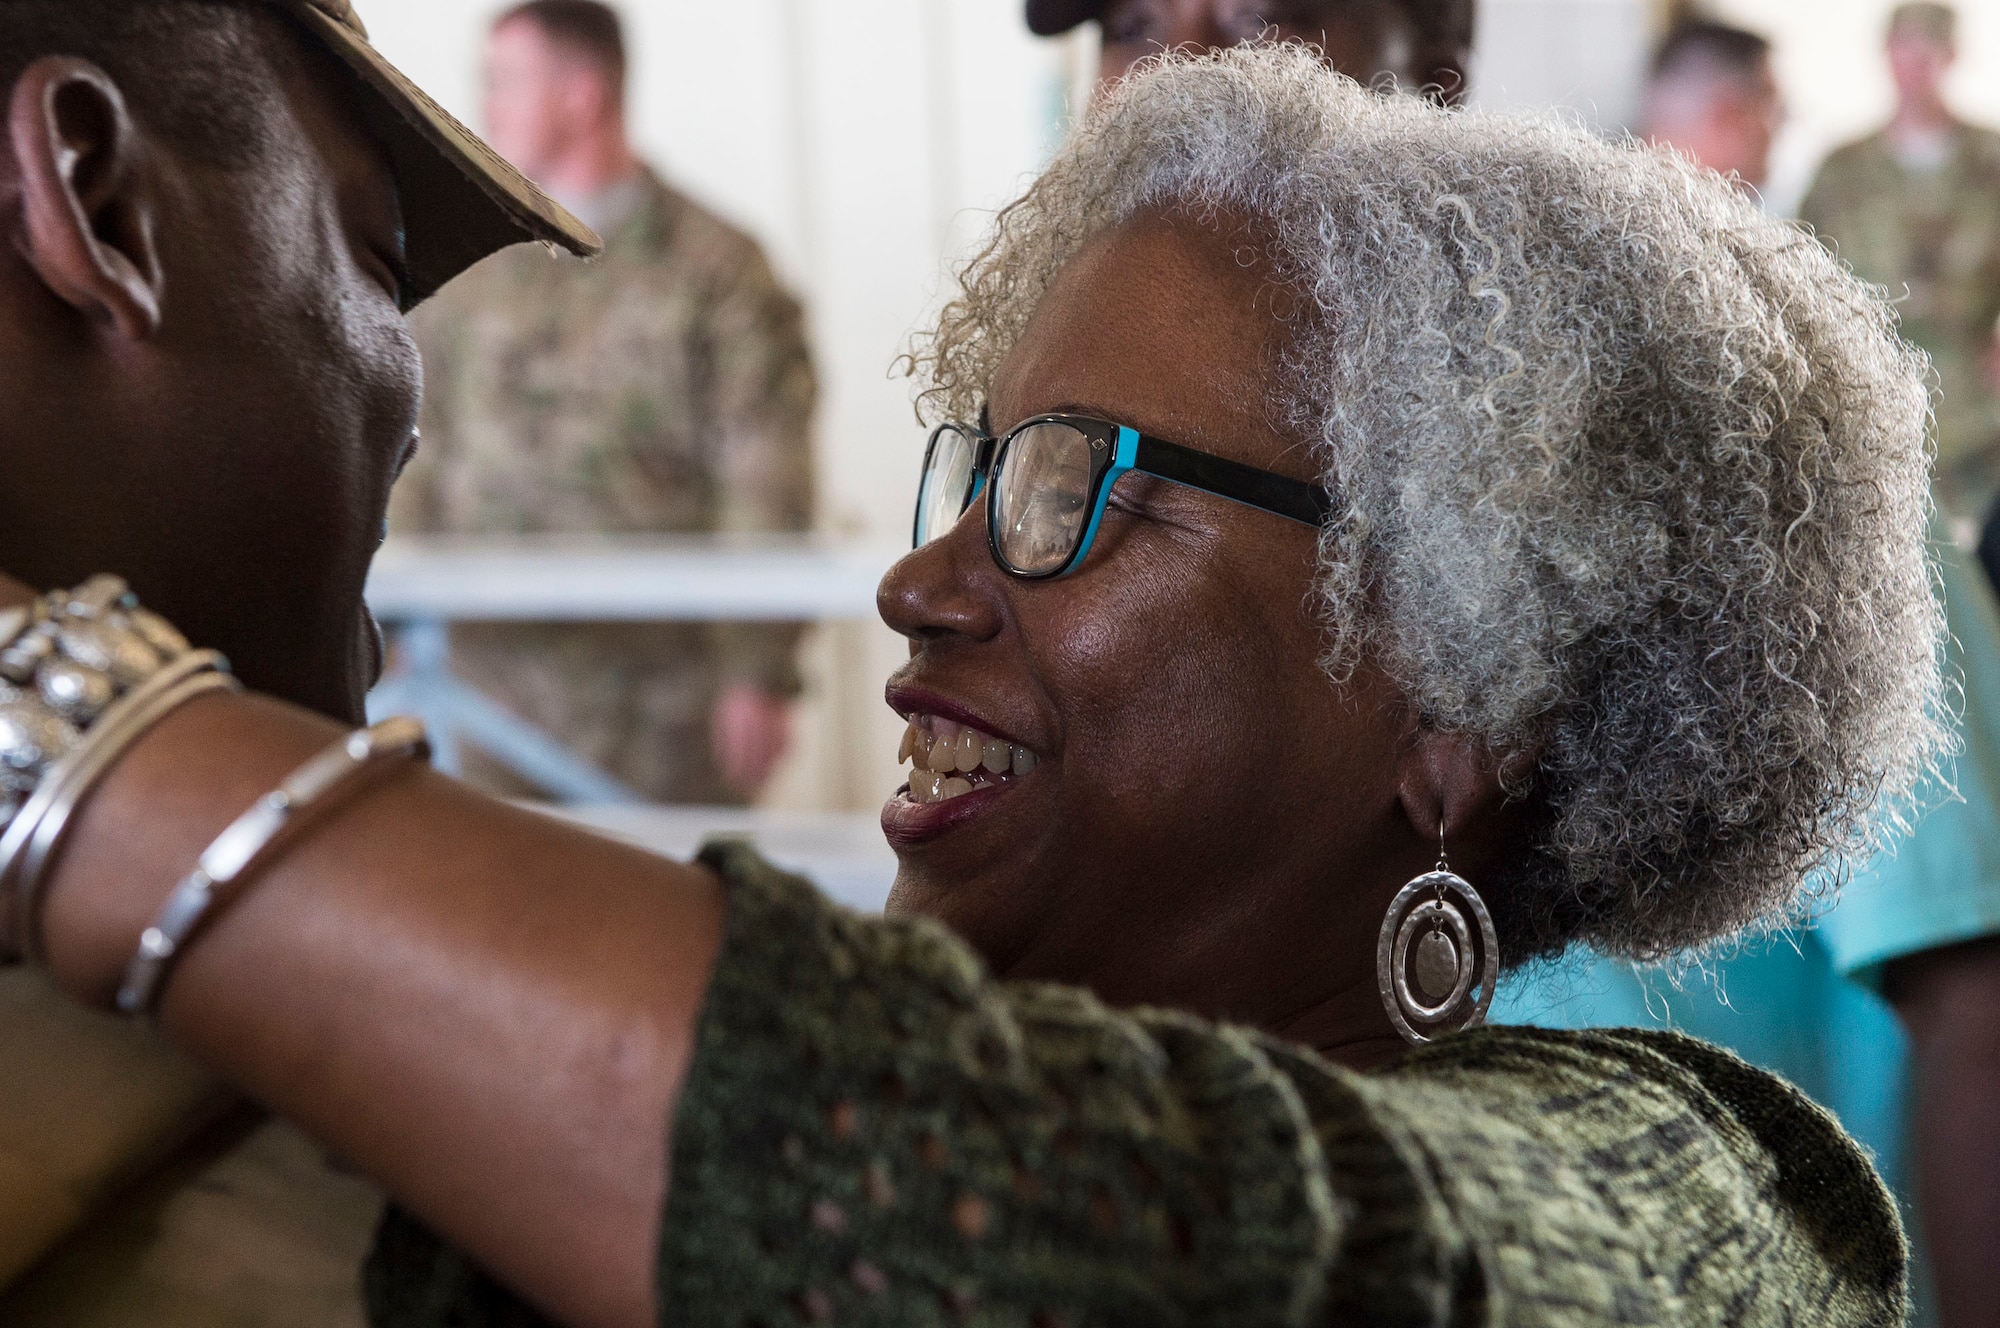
x=419, y=588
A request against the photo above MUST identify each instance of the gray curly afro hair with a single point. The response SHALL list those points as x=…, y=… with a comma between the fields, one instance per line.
x=1633, y=480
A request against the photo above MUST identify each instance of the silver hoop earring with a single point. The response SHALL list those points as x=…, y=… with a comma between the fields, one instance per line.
x=1435, y=971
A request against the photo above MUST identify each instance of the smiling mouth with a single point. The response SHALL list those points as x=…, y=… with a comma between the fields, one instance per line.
x=951, y=759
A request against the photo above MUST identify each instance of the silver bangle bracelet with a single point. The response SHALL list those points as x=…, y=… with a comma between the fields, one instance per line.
x=246, y=845
x=36, y=830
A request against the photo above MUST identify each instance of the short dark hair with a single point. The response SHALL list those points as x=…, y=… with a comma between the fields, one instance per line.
x=1702, y=45
x=201, y=74
x=589, y=28
x=1928, y=19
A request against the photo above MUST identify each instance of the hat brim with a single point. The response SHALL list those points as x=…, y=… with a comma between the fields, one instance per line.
x=1050, y=18
x=461, y=199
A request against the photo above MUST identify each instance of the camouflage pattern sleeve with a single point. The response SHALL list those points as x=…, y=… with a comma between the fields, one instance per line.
x=1929, y=231
x=761, y=408
x=416, y=507
x=1815, y=208
x=1812, y=208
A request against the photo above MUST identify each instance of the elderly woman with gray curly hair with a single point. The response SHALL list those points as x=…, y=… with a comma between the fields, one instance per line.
x=1362, y=548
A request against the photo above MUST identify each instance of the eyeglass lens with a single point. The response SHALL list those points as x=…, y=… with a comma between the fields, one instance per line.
x=947, y=483
x=1042, y=498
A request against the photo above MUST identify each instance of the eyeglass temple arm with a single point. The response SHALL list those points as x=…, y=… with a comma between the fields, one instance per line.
x=1309, y=504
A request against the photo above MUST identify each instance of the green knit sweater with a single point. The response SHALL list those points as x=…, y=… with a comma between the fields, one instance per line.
x=875, y=1132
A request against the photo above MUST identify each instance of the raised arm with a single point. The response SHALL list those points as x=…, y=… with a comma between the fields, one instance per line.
x=489, y=1012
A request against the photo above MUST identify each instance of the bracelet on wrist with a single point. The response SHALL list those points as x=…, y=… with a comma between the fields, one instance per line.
x=249, y=843
x=84, y=674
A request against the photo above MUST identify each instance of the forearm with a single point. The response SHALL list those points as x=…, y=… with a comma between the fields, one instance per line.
x=1949, y=999
x=489, y=1012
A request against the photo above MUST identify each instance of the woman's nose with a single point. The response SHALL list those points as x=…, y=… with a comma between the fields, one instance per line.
x=949, y=587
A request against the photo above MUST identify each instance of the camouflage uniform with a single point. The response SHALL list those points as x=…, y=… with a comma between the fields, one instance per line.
x=1937, y=234
x=663, y=388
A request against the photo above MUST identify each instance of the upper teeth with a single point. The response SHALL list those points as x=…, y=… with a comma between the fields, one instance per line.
x=944, y=751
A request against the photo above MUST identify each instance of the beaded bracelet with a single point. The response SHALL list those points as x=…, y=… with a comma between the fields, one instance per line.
x=247, y=844
x=84, y=674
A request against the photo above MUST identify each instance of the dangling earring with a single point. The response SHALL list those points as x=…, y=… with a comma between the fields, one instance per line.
x=1427, y=939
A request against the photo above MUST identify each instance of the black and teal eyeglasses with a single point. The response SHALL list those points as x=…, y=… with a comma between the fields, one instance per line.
x=1048, y=479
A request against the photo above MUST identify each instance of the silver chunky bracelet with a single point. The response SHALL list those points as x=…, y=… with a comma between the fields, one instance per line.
x=247, y=845
x=84, y=674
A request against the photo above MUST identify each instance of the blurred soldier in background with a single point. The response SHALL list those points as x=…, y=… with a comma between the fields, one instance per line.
x=1917, y=206
x=1712, y=95
x=664, y=388
x=1920, y=926
x=1420, y=43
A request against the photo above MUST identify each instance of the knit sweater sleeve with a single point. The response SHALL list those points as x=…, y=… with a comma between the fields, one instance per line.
x=1612, y=1176
x=874, y=1132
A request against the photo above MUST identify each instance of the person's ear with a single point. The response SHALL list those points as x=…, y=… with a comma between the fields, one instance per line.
x=1453, y=790
x=87, y=217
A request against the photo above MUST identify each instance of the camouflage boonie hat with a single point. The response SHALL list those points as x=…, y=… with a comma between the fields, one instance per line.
x=461, y=200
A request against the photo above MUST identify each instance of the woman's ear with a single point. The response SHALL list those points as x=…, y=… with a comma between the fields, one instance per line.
x=87, y=214
x=1450, y=786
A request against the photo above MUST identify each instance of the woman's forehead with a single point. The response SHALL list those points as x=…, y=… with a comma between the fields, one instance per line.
x=1162, y=323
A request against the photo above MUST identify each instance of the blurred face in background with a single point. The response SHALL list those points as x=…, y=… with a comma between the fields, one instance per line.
x=542, y=98
x=1918, y=62
x=1726, y=122
x=1357, y=35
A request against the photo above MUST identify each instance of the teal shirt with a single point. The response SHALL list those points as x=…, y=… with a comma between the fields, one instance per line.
x=1941, y=885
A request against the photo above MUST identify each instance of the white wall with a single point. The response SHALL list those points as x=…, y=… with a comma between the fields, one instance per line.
x=862, y=141
x=1586, y=56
